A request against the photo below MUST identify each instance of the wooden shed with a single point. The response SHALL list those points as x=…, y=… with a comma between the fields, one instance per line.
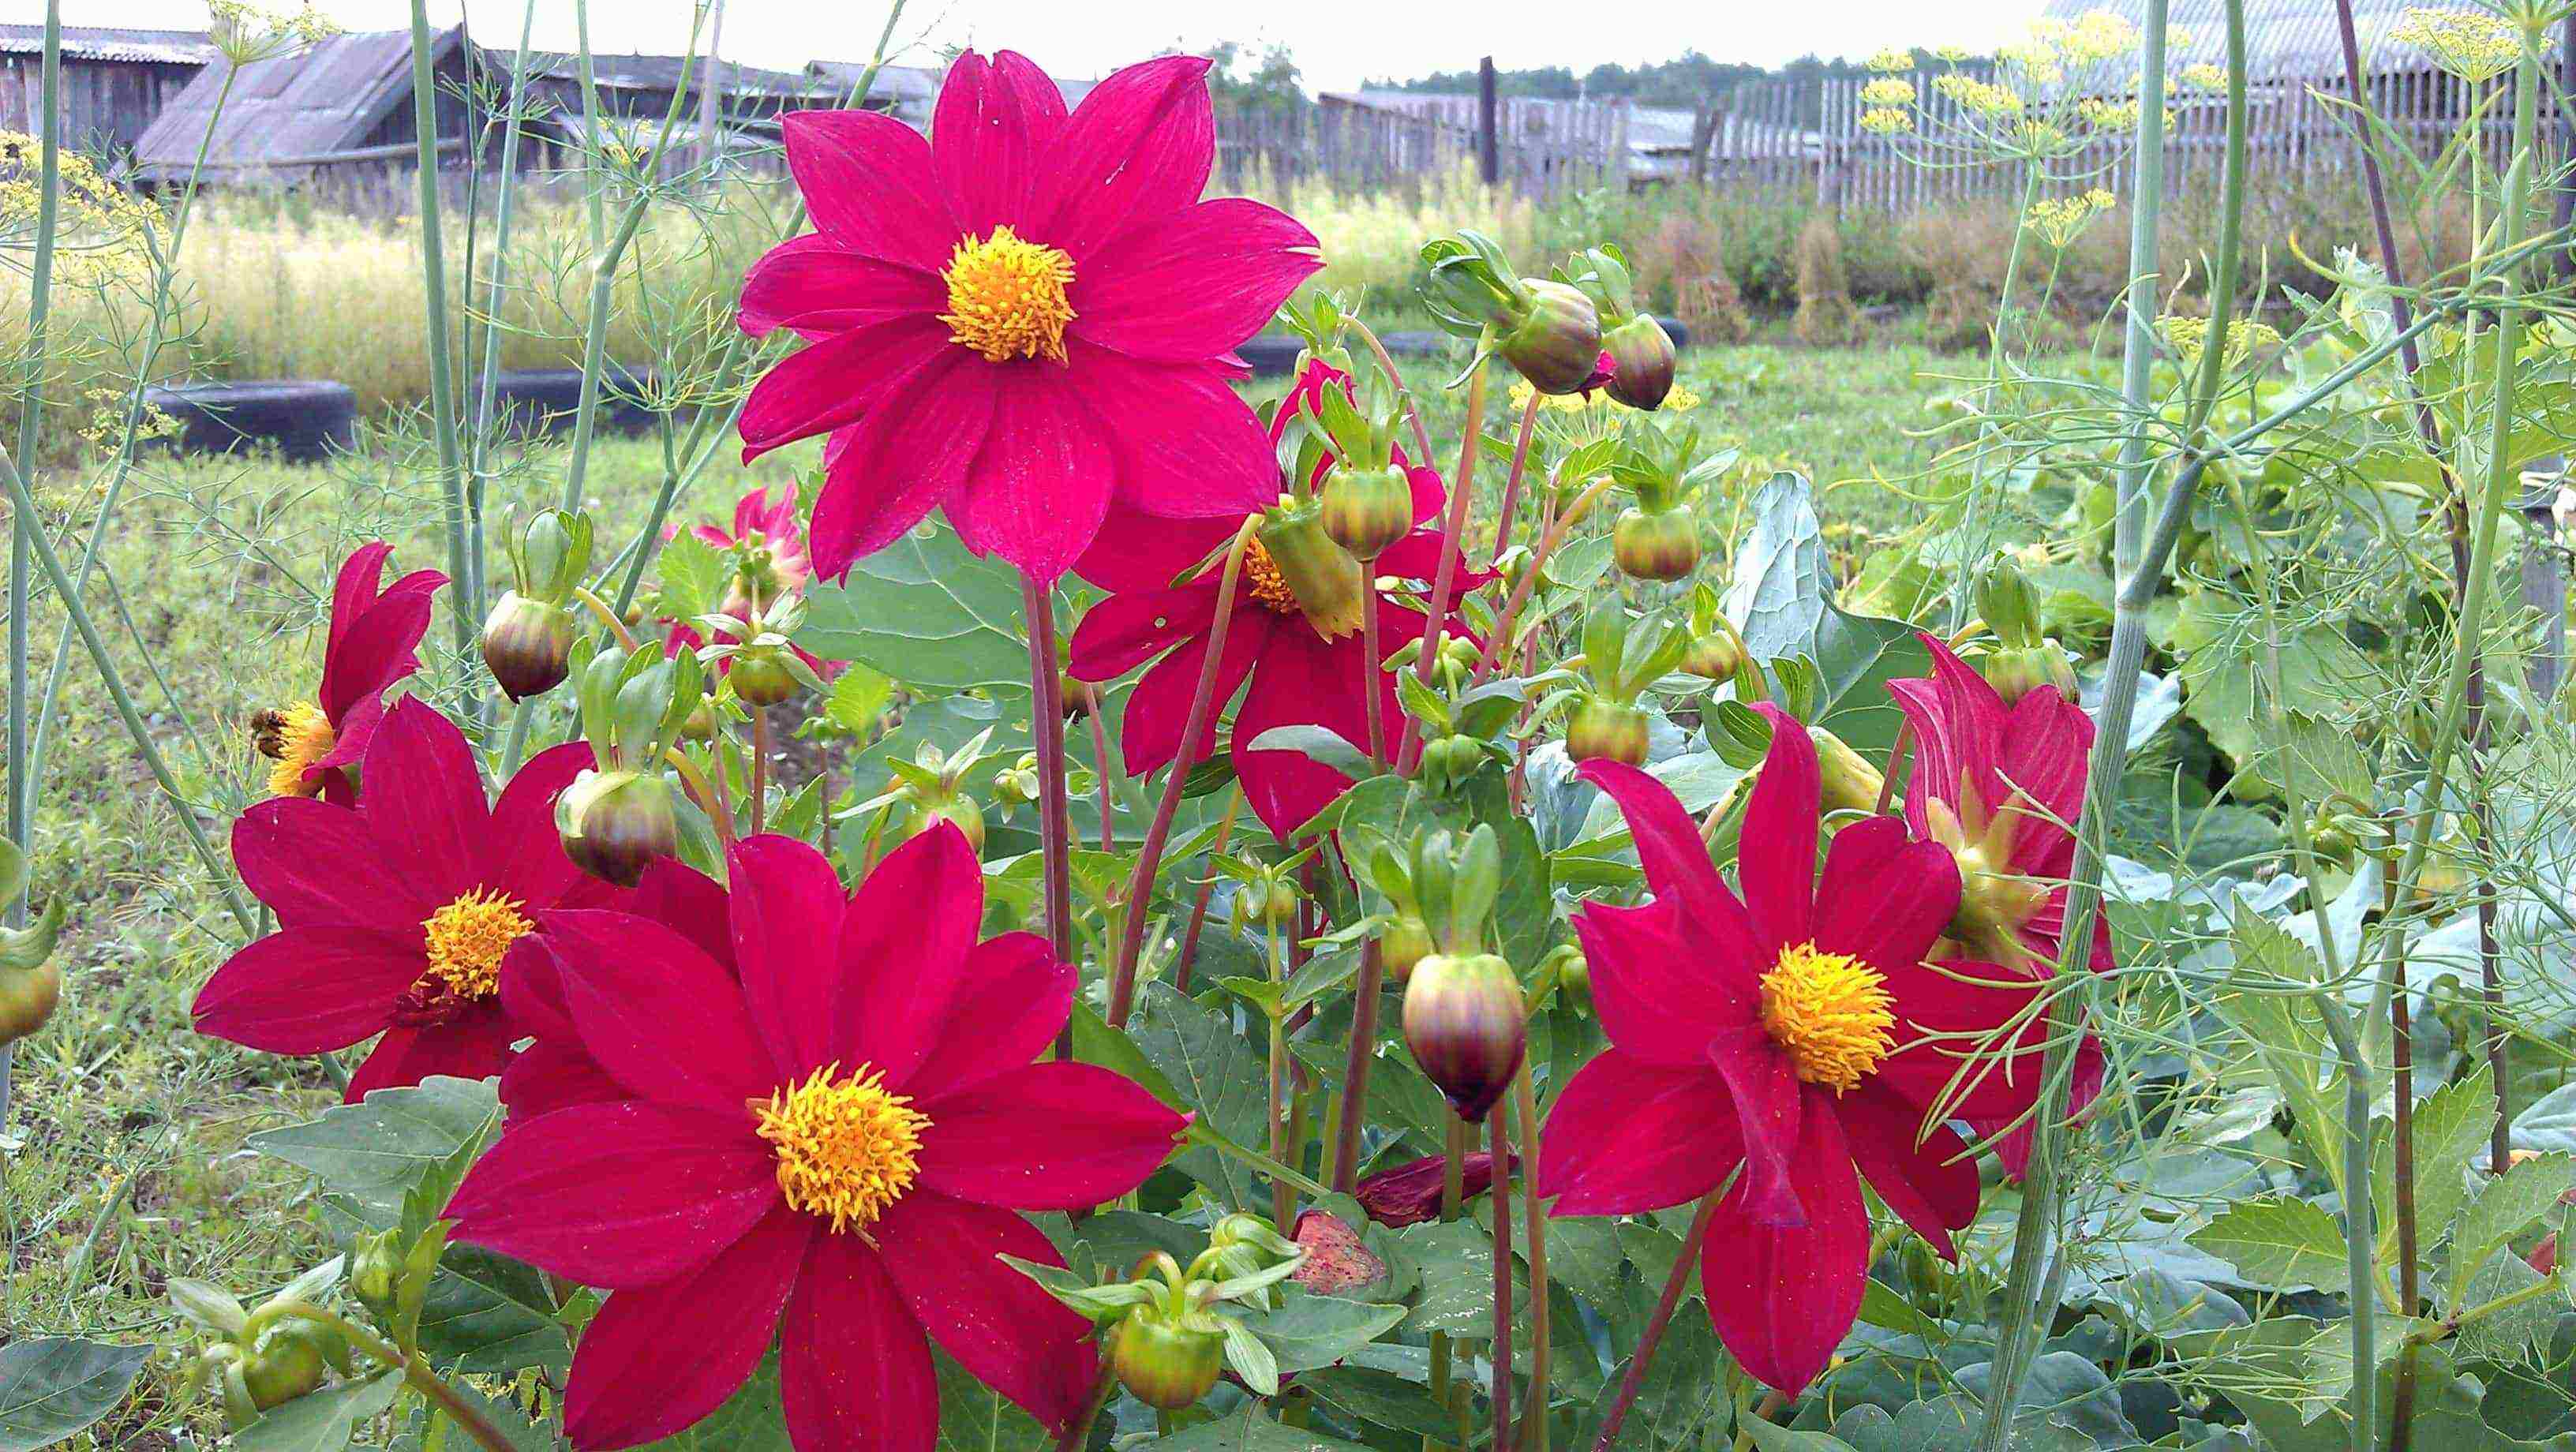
x=341, y=108
x=115, y=82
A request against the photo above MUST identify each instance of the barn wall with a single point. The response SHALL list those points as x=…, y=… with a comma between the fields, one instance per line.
x=106, y=104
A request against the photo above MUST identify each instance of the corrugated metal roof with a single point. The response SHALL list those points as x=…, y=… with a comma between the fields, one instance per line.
x=896, y=84
x=2283, y=38
x=318, y=100
x=102, y=43
x=659, y=72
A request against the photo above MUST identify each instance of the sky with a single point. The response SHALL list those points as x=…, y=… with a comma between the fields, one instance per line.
x=1337, y=43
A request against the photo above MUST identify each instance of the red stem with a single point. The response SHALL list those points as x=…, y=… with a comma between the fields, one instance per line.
x=1654, y=1333
x=1122, y=985
x=759, y=770
x=1500, y=1202
x=1512, y=484
x=1100, y=773
x=1547, y=544
x=1371, y=664
x=1207, y=889
x=1355, y=1067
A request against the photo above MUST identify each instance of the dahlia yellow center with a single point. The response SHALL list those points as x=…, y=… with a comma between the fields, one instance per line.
x=1994, y=901
x=295, y=739
x=1264, y=581
x=847, y=1146
x=1006, y=297
x=1830, y=1013
x=466, y=940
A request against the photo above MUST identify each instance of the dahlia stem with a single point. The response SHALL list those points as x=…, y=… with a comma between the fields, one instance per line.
x=215, y=863
x=759, y=769
x=1046, y=728
x=1533, y=1428
x=1100, y=775
x=416, y=1372
x=1421, y=433
x=1445, y=579
x=1547, y=545
x=1500, y=1202
x=1078, y=1432
x=615, y=622
x=1653, y=1335
x=1282, y=1200
x=1512, y=481
x=1897, y=757
x=1122, y=986
x=709, y=801
x=1207, y=889
x=1356, y=1060
x=1371, y=663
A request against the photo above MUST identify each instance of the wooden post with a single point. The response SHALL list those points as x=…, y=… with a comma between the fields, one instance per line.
x=1489, y=156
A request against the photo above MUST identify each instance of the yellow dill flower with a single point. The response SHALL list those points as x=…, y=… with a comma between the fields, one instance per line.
x=2469, y=44
x=1982, y=98
x=1890, y=58
x=246, y=32
x=1952, y=53
x=1888, y=91
x=1886, y=120
x=2189, y=338
x=2104, y=115
x=2202, y=76
x=2060, y=220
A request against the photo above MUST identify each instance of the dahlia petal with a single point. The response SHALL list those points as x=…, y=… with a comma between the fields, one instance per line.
x=854, y=1368
x=902, y=951
x=1627, y=1136
x=1777, y=862
x=619, y=1195
x=824, y=385
x=1126, y=630
x=1306, y=680
x=909, y=454
x=2045, y=744
x=1783, y=1297
x=786, y=900
x=1041, y=99
x=1052, y=1136
x=1662, y=995
x=980, y=146
x=1885, y=898
x=1158, y=710
x=1039, y=487
x=1136, y=552
x=424, y=802
x=378, y=648
x=525, y=849
x=944, y=1256
x=1677, y=868
x=1771, y=1107
x=633, y=1379
x=689, y=903
x=553, y=1074
x=1949, y=1050
x=1139, y=146
x=1182, y=288
x=1930, y=1181
x=473, y=1045
x=1188, y=446
x=532, y=990
x=662, y=1018
x=868, y=180
x=315, y=865
x=308, y=990
x=1015, y=998
x=352, y=732
x=1958, y=722
x=354, y=588
x=816, y=286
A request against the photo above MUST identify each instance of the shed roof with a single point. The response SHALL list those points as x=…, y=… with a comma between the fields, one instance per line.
x=313, y=101
x=663, y=72
x=103, y=43
x=2283, y=38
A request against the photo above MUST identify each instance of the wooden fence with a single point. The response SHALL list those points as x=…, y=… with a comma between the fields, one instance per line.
x=1543, y=149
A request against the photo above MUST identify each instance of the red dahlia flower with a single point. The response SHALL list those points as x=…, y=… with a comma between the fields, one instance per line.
x=1022, y=319
x=373, y=637
x=1792, y=1032
x=842, y=1130
x=775, y=525
x=394, y=916
x=1303, y=671
x=2001, y=787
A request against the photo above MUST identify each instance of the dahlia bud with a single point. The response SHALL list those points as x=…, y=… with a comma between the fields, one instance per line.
x=2006, y=601
x=1163, y=1364
x=699, y=724
x=1319, y=573
x=527, y=643
x=1553, y=337
x=1851, y=784
x=1403, y=943
x=549, y=555
x=376, y=1271
x=1607, y=731
x=1448, y=762
x=1017, y=786
x=1661, y=545
x=2016, y=671
x=1365, y=510
x=956, y=809
x=1265, y=903
x=1467, y=1027
x=29, y=996
x=614, y=824
x=1081, y=698
x=1571, y=970
x=1714, y=657
x=1641, y=354
x=760, y=678
x=285, y=1363
x=1409, y=1194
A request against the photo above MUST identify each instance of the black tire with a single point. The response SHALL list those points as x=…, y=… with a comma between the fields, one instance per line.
x=303, y=420
x=1271, y=356
x=544, y=400
x=1677, y=330
x=1416, y=345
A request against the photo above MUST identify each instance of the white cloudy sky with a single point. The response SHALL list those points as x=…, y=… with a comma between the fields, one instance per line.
x=1337, y=42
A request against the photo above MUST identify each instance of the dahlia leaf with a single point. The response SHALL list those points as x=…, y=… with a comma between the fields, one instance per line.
x=2277, y=1242
x=52, y=1386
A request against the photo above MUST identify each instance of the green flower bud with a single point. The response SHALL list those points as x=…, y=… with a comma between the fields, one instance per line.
x=1851, y=784
x=2016, y=671
x=1467, y=1027
x=1402, y=945
x=1573, y=972
x=1318, y=577
x=1269, y=904
x=549, y=555
x=1553, y=338
x=760, y=678
x=1642, y=352
x=29, y=996
x=1661, y=545
x=376, y=1270
x=959, y=811
x=615, y=823
x=1714, y=656
x=1164, y=1365
x=527, y=644
x=1448, y=762
x=285, y=1363
x=1605, y=730
x=1081, y=698
x=1365, y=510
x=2006, y=601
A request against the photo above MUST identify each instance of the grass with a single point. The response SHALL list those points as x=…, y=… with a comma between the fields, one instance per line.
x=125, y=1161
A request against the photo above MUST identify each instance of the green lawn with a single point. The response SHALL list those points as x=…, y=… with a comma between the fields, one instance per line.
x=124, y=1162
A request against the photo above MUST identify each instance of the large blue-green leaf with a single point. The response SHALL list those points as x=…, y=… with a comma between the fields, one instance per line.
x=925, y=612
x=1782, y=599
x=52, y=1386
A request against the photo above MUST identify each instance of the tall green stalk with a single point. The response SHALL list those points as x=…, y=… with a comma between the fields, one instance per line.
x=487, y=386
x=433, y=283
x=2138, y=344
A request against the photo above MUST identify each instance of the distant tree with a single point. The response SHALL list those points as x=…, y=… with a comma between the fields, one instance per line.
x=1247, y=79
x=1691, y=81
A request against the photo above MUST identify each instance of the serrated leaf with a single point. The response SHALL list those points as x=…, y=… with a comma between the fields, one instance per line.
x=858, y=698
x=2515, y=1199
x=52, y=1386
x=1782, y=599
x=490, y=1315
x=1250, y=1357
x=692, y=574
x=2277, y=1242
x=373, y=1153
x=1307, y=1331
x=2452, y=1126
x=1215, y=1072
x=975, y=1418
x=1768, y=1438
x=1247, y=1430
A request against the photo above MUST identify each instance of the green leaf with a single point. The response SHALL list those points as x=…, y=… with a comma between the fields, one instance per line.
x=925, y=612
x=692, y=574
x=1782, y=598
x=1768, y=1438
x=1456, y=1262
x=372, y=1154
x=1382, y=1398
x=975, y=1418
x=2321, y=675
x=752, y=1419
x=322, y=1422
x=1250, y=1356
x=2521, y=1195
x=1247, y=1430
x=2452, y=1126
x=490, y=1315
x=1308, y=1331
x=52, y=1386
x=1215, y=1072
x=858, y=698
x=2277, y=1242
